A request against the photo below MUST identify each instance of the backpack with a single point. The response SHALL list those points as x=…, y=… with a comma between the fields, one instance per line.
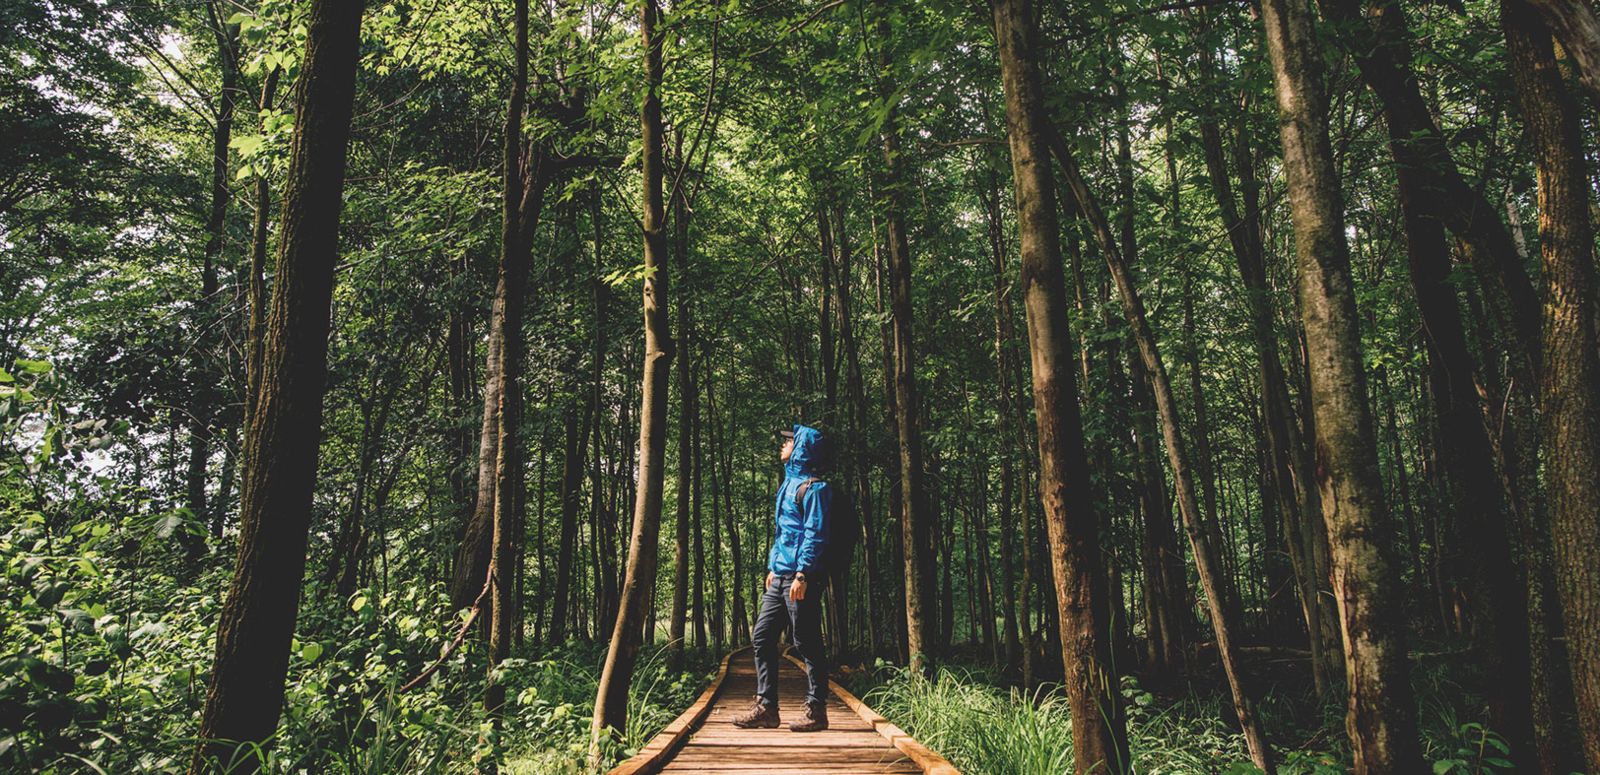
x=845, y=529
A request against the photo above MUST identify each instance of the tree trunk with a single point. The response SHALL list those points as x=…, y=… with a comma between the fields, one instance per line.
x=1383, y=53
x=1006, y=422
x=1467, y=462
x=1226, y=619
x=258, y=272
x=205, y=374
x=611, y=695
x=860, y=467
x=1570, y=388
x=515, y=260
x=1578, y=28
x=1099, y=734
x=1381, y=717
x=915, y=524
x=280, y=450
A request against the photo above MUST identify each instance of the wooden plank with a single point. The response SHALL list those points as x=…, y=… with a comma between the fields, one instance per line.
x=703, y=738
x=656, y=753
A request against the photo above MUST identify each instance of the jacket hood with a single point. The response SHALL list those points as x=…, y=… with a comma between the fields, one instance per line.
x=806, y=457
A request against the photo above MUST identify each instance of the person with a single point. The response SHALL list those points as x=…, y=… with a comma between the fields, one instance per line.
x=796, y=579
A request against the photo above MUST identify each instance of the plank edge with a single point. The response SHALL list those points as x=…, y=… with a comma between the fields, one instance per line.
x=929, y=760
x=661, y=748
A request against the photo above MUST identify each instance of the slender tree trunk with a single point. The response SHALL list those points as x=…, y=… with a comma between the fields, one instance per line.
x=280, y=451
x=1006, y=422
x=1381, y=718
x=611, y=696
x=1226, y=619
x=1569, y=393
x=1290, y=478
x=258, y=270
x=915, y=523
x=860, y=464
x=512, y=278
x=204, y=375
x=1099, y=734
x=472, y=551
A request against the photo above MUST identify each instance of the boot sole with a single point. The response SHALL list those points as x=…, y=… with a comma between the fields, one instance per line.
x=803, y=730
x=758, y=724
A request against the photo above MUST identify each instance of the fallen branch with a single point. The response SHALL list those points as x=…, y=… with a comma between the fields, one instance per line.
x=461, y=636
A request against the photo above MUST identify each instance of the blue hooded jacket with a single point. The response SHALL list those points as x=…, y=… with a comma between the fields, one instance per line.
x=801, y=541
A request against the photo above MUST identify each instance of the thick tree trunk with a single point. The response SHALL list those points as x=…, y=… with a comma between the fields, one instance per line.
x=611, y=696
x=281, y=440
x=1099, y=734
x=1578, y=28
x=1467, y=462
x=1569, y=394
x=1381, y=718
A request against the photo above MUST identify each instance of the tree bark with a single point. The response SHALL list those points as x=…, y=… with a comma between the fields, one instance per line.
x=915, y=523
x=280, y=452
x=515, y=260
x=204, y=375
x=1578, y=28
x=1569, y=393
x=1226, y=619
x=1381, y=716
x=1099, y=733
x=611, y=695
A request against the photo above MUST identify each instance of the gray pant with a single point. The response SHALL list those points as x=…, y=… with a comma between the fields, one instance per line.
x=804, y=620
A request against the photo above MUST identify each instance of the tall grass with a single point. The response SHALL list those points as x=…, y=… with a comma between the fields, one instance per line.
x=985, y=729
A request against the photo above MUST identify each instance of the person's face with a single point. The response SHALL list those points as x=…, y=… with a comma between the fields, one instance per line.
x=788, y=449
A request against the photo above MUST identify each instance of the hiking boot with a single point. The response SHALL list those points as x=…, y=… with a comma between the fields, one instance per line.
x=816, y=718
x=759, y=716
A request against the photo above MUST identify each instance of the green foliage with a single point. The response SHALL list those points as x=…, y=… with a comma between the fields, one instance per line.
x=986, y=728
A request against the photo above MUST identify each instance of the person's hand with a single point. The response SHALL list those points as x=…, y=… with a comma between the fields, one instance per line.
x=797, y=590
x=770, y=578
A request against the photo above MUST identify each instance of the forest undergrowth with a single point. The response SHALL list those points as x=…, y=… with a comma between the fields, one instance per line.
x=971, y=716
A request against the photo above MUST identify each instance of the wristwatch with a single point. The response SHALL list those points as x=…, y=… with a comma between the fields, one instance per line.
x=800, y=576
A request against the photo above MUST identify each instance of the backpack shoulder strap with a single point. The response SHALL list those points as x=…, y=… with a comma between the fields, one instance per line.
x=800, y=491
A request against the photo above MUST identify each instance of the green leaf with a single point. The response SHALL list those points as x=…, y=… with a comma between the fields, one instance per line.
x=33, y=367
x=311, y=651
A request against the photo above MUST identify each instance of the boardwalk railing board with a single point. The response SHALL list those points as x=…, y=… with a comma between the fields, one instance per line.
x=656, y=753
x=929, y=760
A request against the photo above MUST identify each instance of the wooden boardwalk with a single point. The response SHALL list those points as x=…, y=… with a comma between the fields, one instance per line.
x=704, y=738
